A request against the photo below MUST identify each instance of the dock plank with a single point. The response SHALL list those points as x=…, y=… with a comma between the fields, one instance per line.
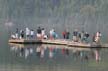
x=23, y=41
x=57, y=42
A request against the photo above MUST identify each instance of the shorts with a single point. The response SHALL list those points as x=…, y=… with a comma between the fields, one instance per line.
x=38, y=35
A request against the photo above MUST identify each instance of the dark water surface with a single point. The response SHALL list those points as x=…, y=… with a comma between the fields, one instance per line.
x=17, y=57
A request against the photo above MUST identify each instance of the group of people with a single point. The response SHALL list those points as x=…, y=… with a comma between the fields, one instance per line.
x=80, y=36
x=41, y=34
x=28, y=33
x=65, y=34
x=83, y=36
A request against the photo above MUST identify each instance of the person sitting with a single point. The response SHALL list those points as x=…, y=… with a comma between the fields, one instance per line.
x=45, y=37
x=86, y=36
x=13, y=36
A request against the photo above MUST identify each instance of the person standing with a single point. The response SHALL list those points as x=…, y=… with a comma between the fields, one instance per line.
x=82, y=36
x=16, y=33
x=64, y=34
x=93, y=38
x=97, y=37
x=22, y=34
x=39, y=33
x=43, y=33
x=27, y=33
x=51, y=34
x=75, y=35
x=67, y=34
x=32, y=33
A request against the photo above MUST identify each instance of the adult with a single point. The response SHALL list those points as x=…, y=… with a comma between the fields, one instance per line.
x=75, y=35
x=86, y=36
x=43, y=32
x=22, y=33
x=51, y=34
x=64, y=34
x=39, y=33
x=13, y=36
x=27, y=33
x=97, y=37
x=67, y=34
x=82, y=36
x=16, y=33
x=32, y=33
x=55, y=35
x=93, y=38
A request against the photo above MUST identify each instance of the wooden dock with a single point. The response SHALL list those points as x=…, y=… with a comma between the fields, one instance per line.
x=57, y=42
x=24, y=41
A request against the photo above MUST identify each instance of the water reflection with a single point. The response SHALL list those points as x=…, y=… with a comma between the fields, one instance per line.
x=55, y=52
x=97, y=55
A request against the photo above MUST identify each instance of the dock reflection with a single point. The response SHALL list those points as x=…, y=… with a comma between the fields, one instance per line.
x=55, y=51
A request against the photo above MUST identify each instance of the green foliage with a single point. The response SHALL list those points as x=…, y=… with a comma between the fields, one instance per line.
x=22, y=9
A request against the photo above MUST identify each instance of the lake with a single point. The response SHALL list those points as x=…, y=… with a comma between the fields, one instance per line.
x=42, y=57
x=85, y=15
x=49, y=58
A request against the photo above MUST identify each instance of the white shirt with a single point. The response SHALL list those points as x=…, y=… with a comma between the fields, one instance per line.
x=51, y=31
x=43, y=32
x=32, y=33
x=98, y=34
x=27, y=31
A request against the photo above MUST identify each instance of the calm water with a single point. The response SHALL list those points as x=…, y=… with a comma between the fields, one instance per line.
x=87, y=15
x=49, y=58
x=17, y=57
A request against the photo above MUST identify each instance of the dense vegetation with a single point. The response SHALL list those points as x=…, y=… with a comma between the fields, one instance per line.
x=84, y=14
x=52, y=8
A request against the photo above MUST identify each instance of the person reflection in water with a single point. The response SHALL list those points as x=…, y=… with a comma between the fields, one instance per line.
x=42, y=52
x=97, y=57
x=21, y=51
x=83, y=56
x=50, y=52
x=38, y=51
x=26, y=53
x=67, y=51
x=63, y=51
